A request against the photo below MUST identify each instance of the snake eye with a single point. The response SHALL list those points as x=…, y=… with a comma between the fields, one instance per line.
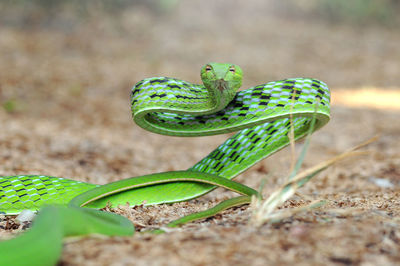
x=232, y=69
x=208, y=68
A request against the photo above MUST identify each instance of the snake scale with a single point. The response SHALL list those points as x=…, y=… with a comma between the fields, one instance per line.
x=169, y=106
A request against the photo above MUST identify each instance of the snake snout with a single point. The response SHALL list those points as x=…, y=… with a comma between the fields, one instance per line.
x=221, y=84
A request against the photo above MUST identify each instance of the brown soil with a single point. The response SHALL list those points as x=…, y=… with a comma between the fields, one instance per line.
x=70, y=117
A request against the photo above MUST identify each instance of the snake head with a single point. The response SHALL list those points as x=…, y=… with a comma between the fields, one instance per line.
x=227, y=78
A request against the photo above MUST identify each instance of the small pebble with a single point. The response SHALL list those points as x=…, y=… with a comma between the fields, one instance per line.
x=25, y=216
x=381, y=182
x=299, y=231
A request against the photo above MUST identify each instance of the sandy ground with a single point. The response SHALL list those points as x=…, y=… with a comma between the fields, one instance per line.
x=70, y=117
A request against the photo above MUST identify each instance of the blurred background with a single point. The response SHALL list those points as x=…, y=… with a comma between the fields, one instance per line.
x=53, y=49
x=67, y=67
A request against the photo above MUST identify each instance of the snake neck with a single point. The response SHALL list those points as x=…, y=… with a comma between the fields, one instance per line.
x=220, y=95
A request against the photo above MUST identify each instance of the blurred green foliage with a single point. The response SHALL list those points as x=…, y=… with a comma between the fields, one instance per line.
x=78, y=5
x=43, y=13
x=10, y=106
x=355, y=12
x=84, y=6
x=28, y=13
x=361, y=11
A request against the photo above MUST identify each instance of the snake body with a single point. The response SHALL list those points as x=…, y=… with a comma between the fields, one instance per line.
x=170, y=106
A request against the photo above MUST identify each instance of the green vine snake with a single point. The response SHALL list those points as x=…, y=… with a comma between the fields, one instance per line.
x=172, y=107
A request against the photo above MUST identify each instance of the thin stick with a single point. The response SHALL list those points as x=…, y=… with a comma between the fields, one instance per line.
x=306, y=144
x=291, y=137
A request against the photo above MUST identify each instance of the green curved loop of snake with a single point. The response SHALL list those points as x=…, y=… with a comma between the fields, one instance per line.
x=173, y=107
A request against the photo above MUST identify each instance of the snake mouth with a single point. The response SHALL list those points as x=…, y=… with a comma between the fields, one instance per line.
x=221, y=84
